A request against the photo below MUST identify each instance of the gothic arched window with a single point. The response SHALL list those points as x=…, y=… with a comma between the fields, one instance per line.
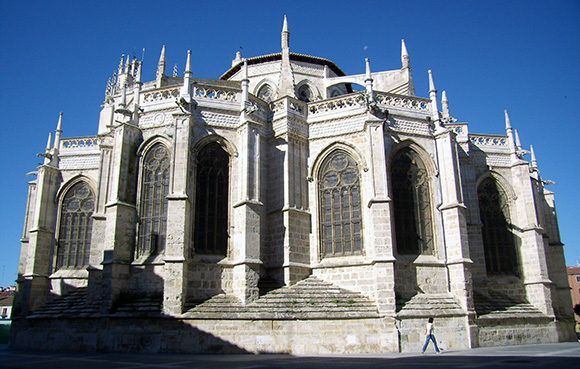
x=153, y=201
x=76, y=223
x=211, y=200
x=340, y=206
x=411, y=204
x=305, y=93
x=498, y=239
x=266, y=93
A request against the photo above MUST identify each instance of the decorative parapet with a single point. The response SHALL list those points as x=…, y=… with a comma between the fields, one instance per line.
x=290, y=105
x=79, y=144
x=402, y=101
x=161, y=95
x=489, y=140
x=358, y=100
x=459, y=128
x=344, y=102
x=213, y=93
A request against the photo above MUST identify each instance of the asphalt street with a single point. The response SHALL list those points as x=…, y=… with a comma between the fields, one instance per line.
x=552, y=356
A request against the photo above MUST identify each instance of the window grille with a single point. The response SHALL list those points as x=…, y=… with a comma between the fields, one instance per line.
x=411, y=204
x=340, y=206
x=153, y=202
x=76, y=223
x=211, y=204
x=498, y=239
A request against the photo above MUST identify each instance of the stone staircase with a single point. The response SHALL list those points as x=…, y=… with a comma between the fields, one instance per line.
x=497, y=305
x=310, y=298
x=72, y=305
x=429, y=305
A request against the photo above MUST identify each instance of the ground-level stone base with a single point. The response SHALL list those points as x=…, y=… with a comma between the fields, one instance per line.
x=171, y=335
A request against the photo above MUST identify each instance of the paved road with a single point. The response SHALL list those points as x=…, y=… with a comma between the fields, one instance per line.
x=552, y=356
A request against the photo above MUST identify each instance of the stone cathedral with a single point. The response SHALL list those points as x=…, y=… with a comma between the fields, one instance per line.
x=286, y=207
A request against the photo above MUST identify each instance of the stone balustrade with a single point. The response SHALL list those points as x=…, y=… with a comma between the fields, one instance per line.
x=79, y=143
x=489, y=140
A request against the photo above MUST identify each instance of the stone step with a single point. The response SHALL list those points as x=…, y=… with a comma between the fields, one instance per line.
x=494, y=304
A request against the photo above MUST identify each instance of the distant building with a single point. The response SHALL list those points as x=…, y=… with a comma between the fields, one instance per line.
x=574, y=280
x=280, y=209
x=6, y=300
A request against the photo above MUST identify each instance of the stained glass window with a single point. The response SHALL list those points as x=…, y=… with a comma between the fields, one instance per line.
x=153, y=202
x=411, y=204
x=76, y=223
x=498, y=239
x=211, y=201
x=340, y=206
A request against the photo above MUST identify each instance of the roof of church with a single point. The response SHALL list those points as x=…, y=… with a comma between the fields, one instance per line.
x=278, y=56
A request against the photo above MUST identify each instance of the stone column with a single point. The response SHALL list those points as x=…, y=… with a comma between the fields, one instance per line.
x=248, y=215
x=532, y=252
x=453, y=215
x=380, y=231
x=292, y=218
x=38, y=262
x=179, y=209
x=120, y=211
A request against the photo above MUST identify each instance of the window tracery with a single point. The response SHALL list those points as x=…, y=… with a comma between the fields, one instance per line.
x=498, y=239
x=153, y=201
x=266, y=93
x=412, y=204
x=76, y=224
x=211, y=205
x=340, y=206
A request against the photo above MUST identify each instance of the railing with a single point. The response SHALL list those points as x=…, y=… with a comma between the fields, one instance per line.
x=161, y=95
x=408, y=102
x=214, y=93
x=79, y=143
x=488, y=140
x=359, y=100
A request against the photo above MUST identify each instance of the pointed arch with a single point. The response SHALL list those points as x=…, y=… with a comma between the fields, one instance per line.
x=501, y=257
x=211, y=211
x=339, y=204
x=307, y=91
x=154, y=181
x=75, y=224
x=265, y=90
x=352, y=150
x=411, y=191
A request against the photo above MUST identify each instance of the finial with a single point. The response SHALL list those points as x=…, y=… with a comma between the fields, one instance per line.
x=187, y=72
x=161, y=64
x=367, y=68
x=431, y=83
x=49, y=142
x=534, y=160
x=138, y=72
x=57, y=133
x=518, y=142
x=175, y=70
x=508, y=124
x=404, y=55
x=285, y=34
x=245, y=70
x=121, y=63
x=445, y=105
x=59, y=124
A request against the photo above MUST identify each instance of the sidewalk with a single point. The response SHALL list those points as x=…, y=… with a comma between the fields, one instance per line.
x=553, y=356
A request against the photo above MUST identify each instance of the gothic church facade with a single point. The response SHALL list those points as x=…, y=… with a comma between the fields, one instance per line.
x=276, y=209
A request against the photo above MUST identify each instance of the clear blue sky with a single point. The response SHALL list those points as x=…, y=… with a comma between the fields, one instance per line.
x=523, y=56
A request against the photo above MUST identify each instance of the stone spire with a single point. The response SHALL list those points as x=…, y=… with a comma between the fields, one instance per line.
x=137, y=86
x=518, y=142
x=58, y=133
x=47, y=154
x=510, y=133
x=404, y=55
x=534, y=160
x=445, y=105
x=161, y=67
x=368, y=78
x=286, y=84
x=187, y=73
x=433, y=97
x=285, y=34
